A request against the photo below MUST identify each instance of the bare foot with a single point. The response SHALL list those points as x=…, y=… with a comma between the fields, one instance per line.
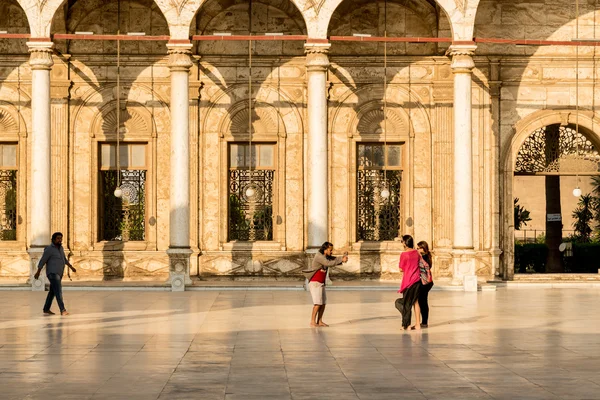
x=64, y=313
x=322, y=324
x=415, y=328
x=313, y=325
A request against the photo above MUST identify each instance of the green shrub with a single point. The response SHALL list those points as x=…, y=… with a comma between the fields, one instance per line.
x=530, y=257
x=586, y=258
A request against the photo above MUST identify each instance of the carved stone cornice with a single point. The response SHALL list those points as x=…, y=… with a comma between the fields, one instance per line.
x=40, y=55
x=180, y=57
x=317, y=56
x=462, y=58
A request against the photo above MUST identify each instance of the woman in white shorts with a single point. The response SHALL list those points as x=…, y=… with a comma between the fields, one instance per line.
x=316, y=281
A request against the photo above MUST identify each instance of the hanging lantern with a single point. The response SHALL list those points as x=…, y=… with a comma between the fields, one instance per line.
x=118, y=192
x=577, y=192
x=385, y=193
x=250, y=192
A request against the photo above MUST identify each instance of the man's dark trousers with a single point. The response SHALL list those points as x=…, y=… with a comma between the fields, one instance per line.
x=55, y=290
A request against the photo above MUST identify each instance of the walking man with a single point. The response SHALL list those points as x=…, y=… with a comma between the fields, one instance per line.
x=54, y=259
x=316, y=276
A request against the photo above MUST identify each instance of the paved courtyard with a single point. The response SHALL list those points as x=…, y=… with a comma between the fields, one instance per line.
x=509, y=344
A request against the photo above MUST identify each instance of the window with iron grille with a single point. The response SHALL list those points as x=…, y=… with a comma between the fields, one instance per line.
x=8, y=191
x=122, y=218
x=379, y=167
x=251, y=217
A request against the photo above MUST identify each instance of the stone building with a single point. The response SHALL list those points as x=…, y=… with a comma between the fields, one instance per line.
x=334, y=119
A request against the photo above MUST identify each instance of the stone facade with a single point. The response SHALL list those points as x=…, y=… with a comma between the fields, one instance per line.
x=514, y=90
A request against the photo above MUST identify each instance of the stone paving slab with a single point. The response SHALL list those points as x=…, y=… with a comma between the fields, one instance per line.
x=534, y=344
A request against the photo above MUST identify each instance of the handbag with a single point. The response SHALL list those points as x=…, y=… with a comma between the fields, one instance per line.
x=425, y=272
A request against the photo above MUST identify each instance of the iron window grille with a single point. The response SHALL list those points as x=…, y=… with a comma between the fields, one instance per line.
x=378, y=218
x=124, y=218
x=8, y=192
x=251, y=218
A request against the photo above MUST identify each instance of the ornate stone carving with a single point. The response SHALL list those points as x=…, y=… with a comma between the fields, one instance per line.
x=180, y=57
x=372, y=122
x=462, y=58
x=264, y=120
x=40, y=55
x=316, y=56
x=574, y=153
x=7, y=122
x=131, y=122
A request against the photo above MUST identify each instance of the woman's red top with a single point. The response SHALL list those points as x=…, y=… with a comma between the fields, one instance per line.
x=409, y=264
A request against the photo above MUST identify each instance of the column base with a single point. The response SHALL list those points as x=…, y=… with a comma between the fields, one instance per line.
x=463, y=261
x=495, y=255
x=37, y=285
x=179, y=268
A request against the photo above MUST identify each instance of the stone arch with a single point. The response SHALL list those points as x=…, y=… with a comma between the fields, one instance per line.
x=539, y=119
x=271, y=11
x=232, y=16
x=356, y=117
x=219, y=111
x=368, y=99
x=589, y=125
x=13, y=19
x=417, y=18
x=94, y=101
x=92, y=116
x=447, y=7
x=89, y=16
x=135, y=119
x=265, y=120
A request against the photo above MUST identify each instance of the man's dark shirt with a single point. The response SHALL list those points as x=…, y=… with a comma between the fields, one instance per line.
x=55, y=260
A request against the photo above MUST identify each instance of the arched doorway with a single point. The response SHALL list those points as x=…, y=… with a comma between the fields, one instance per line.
x=552, y=154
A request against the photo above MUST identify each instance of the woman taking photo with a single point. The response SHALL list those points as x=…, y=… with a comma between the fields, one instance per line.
x=316, y=276
x=411, y=284
x=423, y=249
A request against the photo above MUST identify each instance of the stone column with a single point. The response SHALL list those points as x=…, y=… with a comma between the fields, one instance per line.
x=179, y=251
x=463, y=252
x=317, y=64
x=39, y=230
x=496, y=184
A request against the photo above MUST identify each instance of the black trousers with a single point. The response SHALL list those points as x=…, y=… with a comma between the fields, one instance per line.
x=55, y=290
x=405, y=303
x=423, y=295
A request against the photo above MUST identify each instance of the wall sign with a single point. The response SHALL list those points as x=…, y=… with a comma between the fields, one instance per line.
x=553, y=217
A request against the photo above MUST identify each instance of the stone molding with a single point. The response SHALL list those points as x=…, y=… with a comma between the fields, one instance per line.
x=462, y=58
x=41, y=55
x=180, y=57
x=317, y=56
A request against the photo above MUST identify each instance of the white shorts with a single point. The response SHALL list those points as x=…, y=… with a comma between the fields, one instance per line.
x=317, y=291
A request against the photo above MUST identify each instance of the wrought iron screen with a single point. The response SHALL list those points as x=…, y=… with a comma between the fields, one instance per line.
x=378, y=218
x=379, y=167
x=8, y=205
x=123, y=218
x=557, y=149
x=251, y=219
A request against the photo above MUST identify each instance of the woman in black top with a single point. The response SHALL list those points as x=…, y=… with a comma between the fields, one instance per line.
x=423, y=248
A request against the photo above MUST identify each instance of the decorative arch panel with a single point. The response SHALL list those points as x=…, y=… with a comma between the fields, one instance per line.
x=556, y=149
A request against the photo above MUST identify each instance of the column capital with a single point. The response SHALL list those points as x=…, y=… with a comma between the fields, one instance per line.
x=40, y=55
x=462, y=57
x=180, y=56
x=316, y=56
